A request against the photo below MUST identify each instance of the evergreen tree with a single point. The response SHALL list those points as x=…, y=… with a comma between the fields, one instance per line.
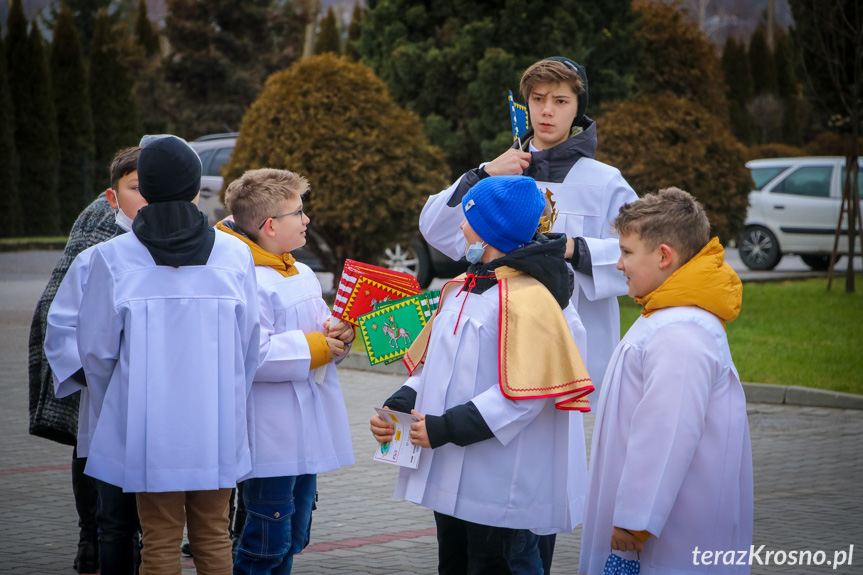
x=369, y=165
x=435, y=57
x=786, y=85
x=678, y=58
x=74, y=119
x=10, y=202
x=16, y=29
x=329, y=39
x=222, y=52
x=738, y=82
x=662, y=140
x=761, y=63
x=145, y=35
x=354, y=29
x=86, y=12
x=117, y=122
x=35, y=136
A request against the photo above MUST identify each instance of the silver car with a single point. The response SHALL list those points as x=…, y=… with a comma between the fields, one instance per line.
x=214, y=151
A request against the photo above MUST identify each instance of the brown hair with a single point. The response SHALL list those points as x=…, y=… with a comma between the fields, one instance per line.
x=550, y=72
x=670, y=216
x=124, y=163
x=258, y=195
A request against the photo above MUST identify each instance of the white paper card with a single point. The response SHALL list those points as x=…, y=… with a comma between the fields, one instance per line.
x=320, y=373
x=400, y=451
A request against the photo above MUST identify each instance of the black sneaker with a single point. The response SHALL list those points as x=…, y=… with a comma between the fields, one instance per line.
x=186, y=549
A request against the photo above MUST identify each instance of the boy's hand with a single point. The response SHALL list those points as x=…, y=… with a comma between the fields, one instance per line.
x=344, y=331
x=510, y=163
x=419, y=435
x=381, y=429
x=337, y=347
x=622, y=540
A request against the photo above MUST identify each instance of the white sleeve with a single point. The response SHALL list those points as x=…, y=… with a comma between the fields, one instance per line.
x=506, y=418
x=606, y=281
x=681, y=362
x=100, y=330
x=439, y=223
x=283, y=356
x=576, y=328
x=61, y=343
x=250, y=327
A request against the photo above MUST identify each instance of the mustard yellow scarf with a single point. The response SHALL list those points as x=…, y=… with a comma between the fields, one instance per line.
x=284, y=264
x=705, y=281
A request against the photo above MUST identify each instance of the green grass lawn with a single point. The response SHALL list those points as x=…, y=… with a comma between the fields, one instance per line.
x=794, y=333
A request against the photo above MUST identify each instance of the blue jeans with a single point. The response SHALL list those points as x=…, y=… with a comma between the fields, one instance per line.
x=524, y=558
x=278, y=523
x=117, y=517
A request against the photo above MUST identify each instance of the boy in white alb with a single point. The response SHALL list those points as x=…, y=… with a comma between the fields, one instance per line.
x=298, y=423
x=168, y=339
x=670, y=462
x=116, y=512
x=493, y=375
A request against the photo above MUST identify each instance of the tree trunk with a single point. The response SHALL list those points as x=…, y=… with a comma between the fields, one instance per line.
x=850, y=192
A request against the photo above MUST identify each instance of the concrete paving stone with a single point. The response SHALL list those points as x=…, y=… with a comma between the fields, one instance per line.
x=807, y=461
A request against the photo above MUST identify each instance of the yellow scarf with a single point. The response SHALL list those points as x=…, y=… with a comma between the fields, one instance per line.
x=284, y=264
x=705, y=281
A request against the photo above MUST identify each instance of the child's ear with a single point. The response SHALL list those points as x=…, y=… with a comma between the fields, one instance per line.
x=111, y=196
x=666, y=257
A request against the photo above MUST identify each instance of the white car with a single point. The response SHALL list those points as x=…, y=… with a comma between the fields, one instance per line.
x=794, y=209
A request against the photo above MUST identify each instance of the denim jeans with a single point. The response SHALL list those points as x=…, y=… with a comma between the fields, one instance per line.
x=531, y=553
x=117, y=516
x=278, y=523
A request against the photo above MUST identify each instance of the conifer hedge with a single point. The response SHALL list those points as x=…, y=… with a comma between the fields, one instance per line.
x=369, y=165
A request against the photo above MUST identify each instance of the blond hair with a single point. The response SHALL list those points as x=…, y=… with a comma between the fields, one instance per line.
x=258, y=195
x=670, y=216
x=550, y=72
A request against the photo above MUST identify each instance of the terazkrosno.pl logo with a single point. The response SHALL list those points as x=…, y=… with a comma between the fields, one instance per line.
x=762, y=556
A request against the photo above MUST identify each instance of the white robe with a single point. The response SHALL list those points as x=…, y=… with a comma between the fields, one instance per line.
x=169, y=355
x=522, y=478
x=589, y=199
x=670, y=451
x=296, y=426
x=61, y=345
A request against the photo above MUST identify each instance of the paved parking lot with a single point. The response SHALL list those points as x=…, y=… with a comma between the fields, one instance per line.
x=808, y=478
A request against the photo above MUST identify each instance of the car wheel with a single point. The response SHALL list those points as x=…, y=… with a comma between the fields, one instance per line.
x=818, y=262
x=400, y=259
x=759, y=249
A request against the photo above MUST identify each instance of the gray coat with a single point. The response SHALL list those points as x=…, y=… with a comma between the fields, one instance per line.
x=52, y=418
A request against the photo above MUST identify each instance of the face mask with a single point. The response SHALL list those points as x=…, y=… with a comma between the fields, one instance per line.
x=123, y=220
x=475, y=252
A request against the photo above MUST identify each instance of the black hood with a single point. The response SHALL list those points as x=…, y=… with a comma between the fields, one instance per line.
x=553, y=164
x=175, y=233
x=542, y=259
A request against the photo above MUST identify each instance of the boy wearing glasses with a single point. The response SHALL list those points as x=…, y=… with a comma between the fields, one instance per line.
x=298, y=423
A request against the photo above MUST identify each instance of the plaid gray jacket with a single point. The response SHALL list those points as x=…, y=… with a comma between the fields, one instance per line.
x=50, y=417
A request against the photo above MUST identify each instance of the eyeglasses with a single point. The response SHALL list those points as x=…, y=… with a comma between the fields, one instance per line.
x=300, y=212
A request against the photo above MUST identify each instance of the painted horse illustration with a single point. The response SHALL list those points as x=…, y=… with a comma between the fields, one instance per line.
x=395, y=334
x=374, y=302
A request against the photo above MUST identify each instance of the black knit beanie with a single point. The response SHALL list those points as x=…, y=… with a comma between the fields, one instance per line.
x=169, y=170
x=583, y=97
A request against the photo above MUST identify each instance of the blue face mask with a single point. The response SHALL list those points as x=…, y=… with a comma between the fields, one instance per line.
x=475, y=252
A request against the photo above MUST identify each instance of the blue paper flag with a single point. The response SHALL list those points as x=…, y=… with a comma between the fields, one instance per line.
x=518, y=117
